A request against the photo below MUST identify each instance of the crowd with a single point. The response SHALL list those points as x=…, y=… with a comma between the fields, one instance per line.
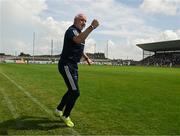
x=163, y=59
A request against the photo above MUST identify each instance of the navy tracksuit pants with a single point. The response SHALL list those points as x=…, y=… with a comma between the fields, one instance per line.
x=69, y=73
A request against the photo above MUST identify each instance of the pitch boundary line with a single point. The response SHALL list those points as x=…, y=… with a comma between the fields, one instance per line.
x=11, y=108
x=9, y=104
x=29, y=95
x=48, y=111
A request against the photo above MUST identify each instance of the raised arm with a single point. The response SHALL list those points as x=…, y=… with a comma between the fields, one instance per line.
x=82, y=36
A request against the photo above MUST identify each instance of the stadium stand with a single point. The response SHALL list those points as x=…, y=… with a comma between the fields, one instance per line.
x=166, y=53
x=96, y=55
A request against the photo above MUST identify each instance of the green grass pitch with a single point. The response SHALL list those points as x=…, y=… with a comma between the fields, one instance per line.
x=113, y=101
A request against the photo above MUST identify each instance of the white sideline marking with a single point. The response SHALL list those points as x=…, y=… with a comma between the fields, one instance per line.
x=12, y=110
x=29, y=95
x=49, y=112
x=9, y=104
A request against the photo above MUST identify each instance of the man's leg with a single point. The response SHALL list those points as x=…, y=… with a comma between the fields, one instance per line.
x=66, y=96
x=71, y=102
x=71, y=80
x=72, y=75
x=64, y=101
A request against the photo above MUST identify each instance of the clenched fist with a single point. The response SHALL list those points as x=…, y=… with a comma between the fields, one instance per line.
x=95, y=23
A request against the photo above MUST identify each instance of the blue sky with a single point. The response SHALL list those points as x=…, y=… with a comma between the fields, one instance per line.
x=123, y=24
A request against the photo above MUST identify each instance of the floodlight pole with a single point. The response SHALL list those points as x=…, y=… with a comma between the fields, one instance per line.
x=107, y=48
x=33, y=44
x=94, y=48
x=51, y=49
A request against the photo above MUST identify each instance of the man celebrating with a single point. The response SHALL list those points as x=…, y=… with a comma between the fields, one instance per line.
x=73, y=50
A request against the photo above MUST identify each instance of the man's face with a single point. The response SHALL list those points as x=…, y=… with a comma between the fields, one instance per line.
x=80, y=22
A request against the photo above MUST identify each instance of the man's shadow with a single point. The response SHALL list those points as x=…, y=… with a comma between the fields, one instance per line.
x=30, y=123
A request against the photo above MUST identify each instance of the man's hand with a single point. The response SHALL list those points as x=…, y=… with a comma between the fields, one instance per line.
x=82, y=36
x=95, y=23
x=89, y=61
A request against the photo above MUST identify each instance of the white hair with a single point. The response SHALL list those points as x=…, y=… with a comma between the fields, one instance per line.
x=79, y=15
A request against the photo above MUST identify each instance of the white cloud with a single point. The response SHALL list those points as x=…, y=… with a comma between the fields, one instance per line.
x=111, y=43
x=167, y=7
x=168, y=35
x=162, y=36
x=178, y=33
x=32, y=6
x=20, y=19
x=90, y=46
x=21, y=10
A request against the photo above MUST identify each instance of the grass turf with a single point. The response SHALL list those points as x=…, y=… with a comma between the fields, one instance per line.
x=113, y=101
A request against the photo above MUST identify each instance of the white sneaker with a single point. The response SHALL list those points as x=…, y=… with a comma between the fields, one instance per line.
x=58, y=113
x=67, y=121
